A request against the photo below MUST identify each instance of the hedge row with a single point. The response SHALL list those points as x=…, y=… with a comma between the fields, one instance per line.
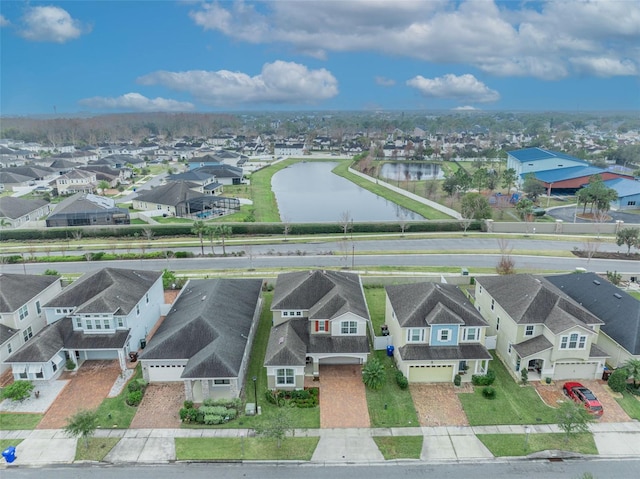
x=140, y=232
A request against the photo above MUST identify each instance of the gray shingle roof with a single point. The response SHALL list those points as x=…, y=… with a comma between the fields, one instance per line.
x=208, y=325
x=534, y=300
x=108, y=290
x=11, y=207
x=325, y=294
x=172, y=194
x=461, y=352
x=287, y=344
x=421, y=304
x=532, y=346
x=7, y=333
x=16, y=290
x=621, y=315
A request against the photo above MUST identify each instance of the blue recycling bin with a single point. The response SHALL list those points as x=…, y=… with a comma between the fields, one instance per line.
x=9, y=454
x=390, y=351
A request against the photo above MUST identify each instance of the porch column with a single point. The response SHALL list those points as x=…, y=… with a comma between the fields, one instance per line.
x=316, y=367
x=121, y=360
x=205, y=388
x=188, y=391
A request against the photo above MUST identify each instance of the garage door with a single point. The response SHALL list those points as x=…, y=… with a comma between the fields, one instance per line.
x=164, y=372
x=431, y=374
x=575, y=370
x=341, y=360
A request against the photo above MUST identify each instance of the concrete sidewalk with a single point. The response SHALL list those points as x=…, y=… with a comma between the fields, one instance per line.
x=51, y=446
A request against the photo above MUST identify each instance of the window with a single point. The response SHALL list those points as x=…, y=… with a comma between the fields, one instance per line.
x=120, y=322
x=146, y=297
x=528, y=331
x=137, y=310
x=58, y=311
x=98, y=324
x=23, y=374
x=106, y=323
x=89, y=324
x=54, y=366
x=38, y=308
x=321, y=326
x=631, y=203
x=509, y=348
x=470, y=334
x=415, y=335
x=573, y=341
x=444, y=335
x=285, y=313
x=285, y=377
x=39, y=374
x=479, y=289
x=79, y=323
x=219, y=382
x=23, y=312
x=492, y=304
x=498, y=324
x=9, y=348
x=349, y=327
x=27, y=334
x=298, y=313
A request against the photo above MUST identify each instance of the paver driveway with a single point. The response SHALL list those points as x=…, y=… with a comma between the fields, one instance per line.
x=87, y=388
x=343, y=401
x=160, y=406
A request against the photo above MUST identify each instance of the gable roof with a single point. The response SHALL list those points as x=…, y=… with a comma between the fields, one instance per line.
x=287, y=344
x=16, y=290
x=623, y=186
x=562, y=174
x=209, y=326
x=620, y=314
x=534, y=300
x=424, y=304
x=325, y=294
x=108, y=290
x=536, y=154
x=85, y=203
x=173, y=193
x=12, y=207
x=221, y=171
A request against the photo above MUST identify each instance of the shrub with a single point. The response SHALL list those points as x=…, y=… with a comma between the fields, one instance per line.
x=485, y=379
x=50, y=272
x=70, y=365
x=547, y=380
x=618, y=380
x=489, y=392
x=211, y=419
x=373, y=374
x=17, y=391
x=401, y=380
x=457, y=380
x=188, y=414
x=188, y=404
x=134, y=398
x=524, y=376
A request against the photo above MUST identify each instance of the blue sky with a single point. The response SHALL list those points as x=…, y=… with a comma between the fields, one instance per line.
x=128, y=56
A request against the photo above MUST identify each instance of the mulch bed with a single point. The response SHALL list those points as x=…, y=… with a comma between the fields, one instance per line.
x=607, y=255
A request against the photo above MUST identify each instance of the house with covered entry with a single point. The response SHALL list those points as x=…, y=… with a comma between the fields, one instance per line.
x=205, y=340
x=540, y=328
x=22, y=297
x=319, y=318
x=436, y=332
x=106, y=314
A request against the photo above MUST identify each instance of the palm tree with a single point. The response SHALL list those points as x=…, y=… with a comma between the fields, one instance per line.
x=210, y=231
x=102, y=186
x=633, y=368
x=199, y=229
x=222, y=232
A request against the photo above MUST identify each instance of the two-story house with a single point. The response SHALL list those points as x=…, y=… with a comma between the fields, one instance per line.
x=436, y=332
x=76, y=181
x=103, y=315
x=319, y=317
x=21, y=316
x=540, y=328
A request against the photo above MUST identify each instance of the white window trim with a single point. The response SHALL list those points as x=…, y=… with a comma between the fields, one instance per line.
x=566, y=340
x=449, y=333
x=476, y=335
x=349, y=324
x=286, y=374
x=529, y=330
x=421, y=334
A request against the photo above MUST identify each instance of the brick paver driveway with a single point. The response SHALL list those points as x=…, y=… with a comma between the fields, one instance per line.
x=87, y=388
x=160, y=406
x=438, y=404
x=343, y=401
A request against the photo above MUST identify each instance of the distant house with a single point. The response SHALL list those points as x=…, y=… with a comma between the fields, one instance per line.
x=205, y=340
x=224, y=174
x=85, y=209
x=76, y=181
x=539, y=327
x=436, y=331
x=15, y=212
x=10, y=181
x=319, y=317
x=103, y=315
x=289, y=149
x=619, y=336
x=21, y=316
x=206, y=182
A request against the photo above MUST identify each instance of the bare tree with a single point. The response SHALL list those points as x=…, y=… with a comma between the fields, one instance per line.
x=345, y=222
x=77, y=235
x=403, y=222
x=286, y=227
x=590, y=247
x=506, y=264
x=148, y=233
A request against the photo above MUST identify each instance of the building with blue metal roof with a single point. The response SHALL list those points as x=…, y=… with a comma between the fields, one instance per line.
x=532, y=160
x=628, y=193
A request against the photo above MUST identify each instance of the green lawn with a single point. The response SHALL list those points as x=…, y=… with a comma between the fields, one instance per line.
x=514, y=444
x=115, y=412
x=514, y=404
x=635, y=294
x=399, y=447
x=375, y=296
x=390, y=406
x=250, y=448
x=5, y=443
x=630, y=404
x=98, y=448
x=13, y=422
x=264, y=200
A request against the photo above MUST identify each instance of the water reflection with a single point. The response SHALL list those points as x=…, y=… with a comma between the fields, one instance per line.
x=309, y=191
x=411, y=171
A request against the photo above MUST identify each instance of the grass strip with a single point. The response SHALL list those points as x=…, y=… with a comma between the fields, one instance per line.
x=115, y=412
x=630, y=404
x=19, y=421
x=518, y=444
x=98, y=448
x=400, y=447
x=249, y=448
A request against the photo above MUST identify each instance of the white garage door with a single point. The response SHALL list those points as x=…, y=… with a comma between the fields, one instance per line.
x=341, y=360
x=575, y=370
x=164, y=372
x=431, y=374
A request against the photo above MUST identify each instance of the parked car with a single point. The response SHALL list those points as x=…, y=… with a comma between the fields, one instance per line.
x=583, y=395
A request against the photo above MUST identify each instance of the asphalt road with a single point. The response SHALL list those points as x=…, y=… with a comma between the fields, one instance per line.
x=600, y=469
x=566, y=214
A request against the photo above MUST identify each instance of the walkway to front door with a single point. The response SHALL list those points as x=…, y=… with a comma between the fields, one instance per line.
x=343, y=401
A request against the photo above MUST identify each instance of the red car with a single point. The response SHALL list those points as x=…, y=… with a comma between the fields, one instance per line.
x=583, y=395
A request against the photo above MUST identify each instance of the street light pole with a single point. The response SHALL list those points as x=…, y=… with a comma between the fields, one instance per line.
x=255, y=392
x=527, y=430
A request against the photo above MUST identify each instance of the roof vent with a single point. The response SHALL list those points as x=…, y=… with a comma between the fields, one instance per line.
x=619, y=296
x=281, y=340
x=596, y=282
x=203, y=298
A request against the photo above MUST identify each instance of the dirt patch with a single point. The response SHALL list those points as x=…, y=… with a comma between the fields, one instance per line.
x=552, y=394
x=343, y=400
x=160, y=406
x=439, y=405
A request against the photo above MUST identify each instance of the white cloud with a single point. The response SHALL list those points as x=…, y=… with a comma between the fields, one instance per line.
x=136, y=102
x=278, y=83
x=383, y=81
x=461, y=88
x=465, y=108
x=50, y=24
x=537, y=39
x=604, y=67
x=3, y=21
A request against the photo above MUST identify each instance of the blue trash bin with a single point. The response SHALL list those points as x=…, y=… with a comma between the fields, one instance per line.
x=390, y=351
x=9, y=454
